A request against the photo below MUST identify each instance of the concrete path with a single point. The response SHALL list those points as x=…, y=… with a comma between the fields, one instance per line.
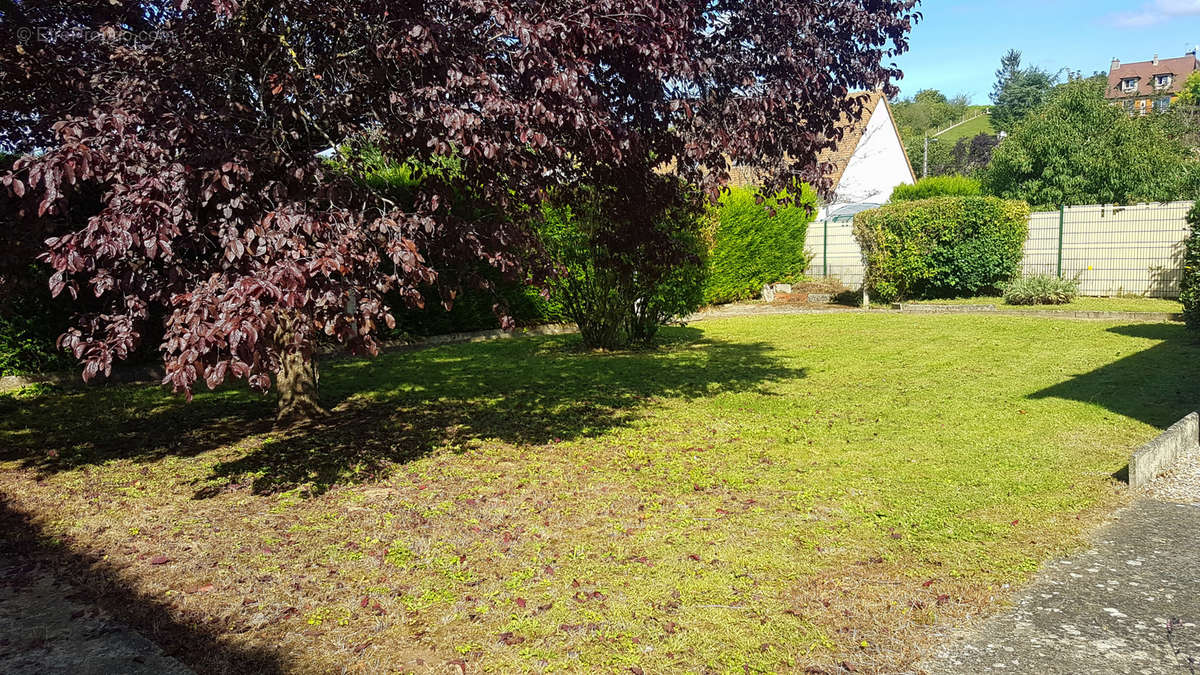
x=1130, y=604
x=44, y=629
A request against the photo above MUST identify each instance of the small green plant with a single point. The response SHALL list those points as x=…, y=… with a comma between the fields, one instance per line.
x=938, y=186
x=1189, y=285
x=1041, y=289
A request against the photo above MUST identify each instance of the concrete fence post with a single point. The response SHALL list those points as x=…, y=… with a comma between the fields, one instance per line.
x=1062, y=213
x=825, y=248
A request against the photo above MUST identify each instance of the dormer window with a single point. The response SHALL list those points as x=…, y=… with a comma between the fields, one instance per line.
x=1161, y=81
x=1129, y=84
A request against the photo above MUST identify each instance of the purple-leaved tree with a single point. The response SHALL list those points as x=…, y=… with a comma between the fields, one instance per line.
x=199, y=123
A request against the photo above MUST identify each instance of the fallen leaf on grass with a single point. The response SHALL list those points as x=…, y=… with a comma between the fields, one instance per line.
x=510, y=639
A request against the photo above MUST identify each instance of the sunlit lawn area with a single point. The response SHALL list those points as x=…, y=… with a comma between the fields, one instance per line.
x=1080, y=304
x=778, y=492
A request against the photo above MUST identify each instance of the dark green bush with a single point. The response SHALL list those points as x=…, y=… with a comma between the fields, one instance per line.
x=1189, y=285
x=1041, y=289
x=479, y=291
x=626, y=266
x=941, y=247
x=752, y=248
x=30, y=323
x=938, y=186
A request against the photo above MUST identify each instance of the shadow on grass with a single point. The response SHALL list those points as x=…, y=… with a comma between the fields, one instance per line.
x=62, y=431
x=392, y=409
x=26, y=554
x=1158, y=385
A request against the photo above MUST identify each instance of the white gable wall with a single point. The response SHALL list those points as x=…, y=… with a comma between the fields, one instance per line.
x=878, y=164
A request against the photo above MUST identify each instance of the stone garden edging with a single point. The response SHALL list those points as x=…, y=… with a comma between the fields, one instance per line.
x=1153, y=317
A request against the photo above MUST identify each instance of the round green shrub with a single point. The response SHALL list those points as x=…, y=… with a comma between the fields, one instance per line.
x=751, y=248
x=625, y=266
x=941, y=247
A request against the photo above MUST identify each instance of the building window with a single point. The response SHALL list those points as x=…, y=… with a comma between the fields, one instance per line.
x=1129, y=84
x=1162, y=103
x=1162, y=80
x=1129, y=106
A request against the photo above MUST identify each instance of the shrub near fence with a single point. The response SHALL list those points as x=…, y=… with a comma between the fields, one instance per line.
x=941, y=247
x=752, y=248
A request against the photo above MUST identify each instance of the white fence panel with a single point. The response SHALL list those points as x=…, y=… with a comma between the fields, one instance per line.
x=1041, y=248
x=1111, y=250
x=840, y=257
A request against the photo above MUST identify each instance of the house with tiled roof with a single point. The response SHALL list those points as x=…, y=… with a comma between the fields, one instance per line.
x=1148, y=85
x=868, y=162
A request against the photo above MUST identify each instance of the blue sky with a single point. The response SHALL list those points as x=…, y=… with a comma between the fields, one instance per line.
x=957, y=46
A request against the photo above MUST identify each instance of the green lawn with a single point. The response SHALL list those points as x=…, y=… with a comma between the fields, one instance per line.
x=774, y=493
x=1080, y=304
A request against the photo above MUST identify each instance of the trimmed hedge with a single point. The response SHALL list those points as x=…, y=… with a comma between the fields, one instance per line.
x=1189, y=285
x=751, y=248
x=942, y=247
x=938, y=186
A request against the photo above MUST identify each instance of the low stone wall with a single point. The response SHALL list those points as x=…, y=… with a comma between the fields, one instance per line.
x=1160, y=454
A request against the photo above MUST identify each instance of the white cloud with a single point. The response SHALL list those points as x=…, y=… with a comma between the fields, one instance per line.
x=1154, y=13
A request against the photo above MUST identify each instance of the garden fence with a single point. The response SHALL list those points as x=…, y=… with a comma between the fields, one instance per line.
x=1111, y=250
x=835, y=251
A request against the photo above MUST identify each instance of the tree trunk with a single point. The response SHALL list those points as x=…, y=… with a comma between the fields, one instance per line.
x=297, y=385
x=296, y=380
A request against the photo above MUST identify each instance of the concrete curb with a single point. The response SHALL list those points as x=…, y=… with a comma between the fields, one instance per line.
x=1155, y=457
x=1153, y=317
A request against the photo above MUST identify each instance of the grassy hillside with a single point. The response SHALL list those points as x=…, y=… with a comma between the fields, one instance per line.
x=979, y=125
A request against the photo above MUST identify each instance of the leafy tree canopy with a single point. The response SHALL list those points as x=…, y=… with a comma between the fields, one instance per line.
x=1018, y=91
x=1190, y=94
x=1080, y=149
x=928, y=110
x=198, y=123
x=930, y=96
